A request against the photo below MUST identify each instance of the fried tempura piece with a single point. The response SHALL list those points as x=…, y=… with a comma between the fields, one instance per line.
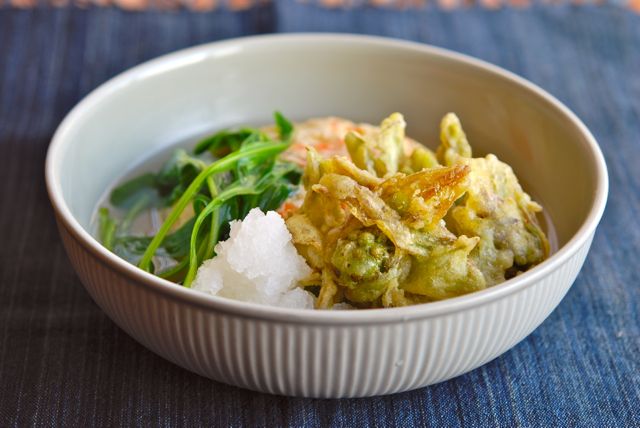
x=386, y=152
x=367, y=235
x=392, y=227
x=494, y=208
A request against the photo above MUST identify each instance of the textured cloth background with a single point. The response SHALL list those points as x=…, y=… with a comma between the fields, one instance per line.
x=208, y=5
x=63, y=363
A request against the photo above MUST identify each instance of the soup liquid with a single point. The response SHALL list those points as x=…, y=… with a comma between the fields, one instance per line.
x=148, y=221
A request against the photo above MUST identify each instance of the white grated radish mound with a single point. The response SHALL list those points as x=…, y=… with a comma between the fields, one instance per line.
x=258, y=263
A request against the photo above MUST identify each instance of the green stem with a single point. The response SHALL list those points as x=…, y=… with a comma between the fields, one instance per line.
x=107, y=229
x=221, y=165
x=211, y=208
x=215, y=221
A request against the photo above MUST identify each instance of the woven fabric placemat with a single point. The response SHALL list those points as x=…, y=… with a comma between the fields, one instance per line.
x=64, y=363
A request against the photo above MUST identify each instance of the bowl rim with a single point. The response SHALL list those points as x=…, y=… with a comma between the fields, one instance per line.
x=220, y=49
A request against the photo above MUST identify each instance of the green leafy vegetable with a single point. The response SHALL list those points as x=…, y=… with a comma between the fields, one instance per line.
x=246, y=173
x=248, y=187
x=285, y=128
x=255, y=151
x=122, y=195
x=224, y=142
x=107, y=228
x=177, y=174
x=131, y=248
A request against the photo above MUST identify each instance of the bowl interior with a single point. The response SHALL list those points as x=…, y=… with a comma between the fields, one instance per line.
x=243, y=82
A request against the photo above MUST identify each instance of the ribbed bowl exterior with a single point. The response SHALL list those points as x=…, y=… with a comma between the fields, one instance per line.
x=299, y=358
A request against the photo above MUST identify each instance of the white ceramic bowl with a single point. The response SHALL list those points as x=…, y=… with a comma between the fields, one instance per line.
x=324, y=353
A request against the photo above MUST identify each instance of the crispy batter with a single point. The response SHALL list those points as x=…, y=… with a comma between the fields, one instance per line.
x=495, y=209
x=392, y=228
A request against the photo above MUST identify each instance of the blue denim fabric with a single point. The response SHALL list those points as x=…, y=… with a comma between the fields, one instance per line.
x=63, y=363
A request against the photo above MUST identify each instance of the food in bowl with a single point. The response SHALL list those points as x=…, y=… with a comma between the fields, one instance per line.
x=328, y=214
x=321, y=353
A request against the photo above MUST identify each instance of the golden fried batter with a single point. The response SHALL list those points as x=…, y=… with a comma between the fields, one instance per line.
x=391, y=226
